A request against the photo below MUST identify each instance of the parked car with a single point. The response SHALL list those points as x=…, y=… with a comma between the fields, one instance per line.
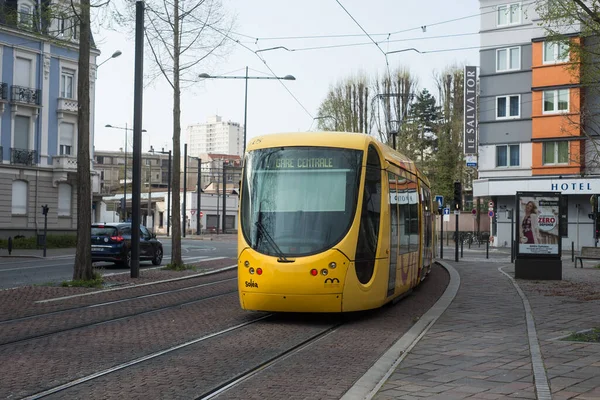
x=112, y=243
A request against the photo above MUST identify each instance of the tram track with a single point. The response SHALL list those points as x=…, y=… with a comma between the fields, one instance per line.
x=232, y=383
x=216, y=389
x=119, y=318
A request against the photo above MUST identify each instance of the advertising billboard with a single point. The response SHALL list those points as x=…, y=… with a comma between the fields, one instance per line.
x=538, y=224
x=470, y=114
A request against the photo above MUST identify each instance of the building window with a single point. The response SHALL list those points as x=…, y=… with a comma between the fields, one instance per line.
x=556, y=101
x=508, y=155
x=19, y=198
x=508, y=107
x=100, y=159
x=22, y=131
x=66, y=139
x=67, y=78
x=556, y=153
x=509, y=14
x=25, y=15
x=508, y=59
x=64, y=200
x=555, y=52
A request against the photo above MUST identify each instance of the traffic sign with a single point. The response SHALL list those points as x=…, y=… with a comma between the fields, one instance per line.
x=440, y=200
x=456, y=212
x=491, y=204
x=474, y=211
x=471, y=161
x=446, y=211
x=193, y=212
x=201, y=214
x=491, y=213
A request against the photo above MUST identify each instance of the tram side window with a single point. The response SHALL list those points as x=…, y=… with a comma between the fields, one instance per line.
x=427, y=217
x=394, y=218
x=366, y=248
x=409, y=215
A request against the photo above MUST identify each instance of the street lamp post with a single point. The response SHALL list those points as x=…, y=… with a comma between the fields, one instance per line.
x=246, y=77
x=198, y=196
x=125, y=167
x=168, y=187
x=184, y=216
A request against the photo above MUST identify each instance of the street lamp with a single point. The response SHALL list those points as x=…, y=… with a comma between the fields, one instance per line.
x=199, y=195
x=125, y=168
x=114, y=55
x=246, y=77
x=168, y=187
x=337, y=122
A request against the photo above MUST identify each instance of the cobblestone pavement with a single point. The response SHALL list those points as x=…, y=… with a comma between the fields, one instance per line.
x=479, y=348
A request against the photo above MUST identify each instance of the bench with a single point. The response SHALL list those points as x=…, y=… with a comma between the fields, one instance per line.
x=587, y=253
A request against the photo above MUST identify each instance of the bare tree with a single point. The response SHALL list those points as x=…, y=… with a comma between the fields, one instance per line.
x=83, y=257
x=393, y=95
x=346, y=107
x=182, y=35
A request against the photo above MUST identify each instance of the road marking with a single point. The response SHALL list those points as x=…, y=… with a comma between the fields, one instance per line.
x=135, y=286
x=36, y=267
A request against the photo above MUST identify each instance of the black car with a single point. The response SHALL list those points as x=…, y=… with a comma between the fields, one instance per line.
x=112, y=242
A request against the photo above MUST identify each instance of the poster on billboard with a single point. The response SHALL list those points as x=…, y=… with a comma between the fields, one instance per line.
x=538, y=224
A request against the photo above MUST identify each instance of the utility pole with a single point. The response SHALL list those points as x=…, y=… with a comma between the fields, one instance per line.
x=224, y=198
x=150, y=196
x=184, y=213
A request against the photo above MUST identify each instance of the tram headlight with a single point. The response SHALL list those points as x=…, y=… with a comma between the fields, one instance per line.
x=332, y=265
x=251, y=270
x=324, y=272
x=246, y=263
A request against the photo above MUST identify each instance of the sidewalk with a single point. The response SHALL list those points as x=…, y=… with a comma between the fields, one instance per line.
x=482, y=347
x=37, y=253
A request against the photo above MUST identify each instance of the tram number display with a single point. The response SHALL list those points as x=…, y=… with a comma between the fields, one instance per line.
x=294, y=163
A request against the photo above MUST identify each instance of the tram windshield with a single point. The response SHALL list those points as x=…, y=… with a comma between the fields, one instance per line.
x=298, y=201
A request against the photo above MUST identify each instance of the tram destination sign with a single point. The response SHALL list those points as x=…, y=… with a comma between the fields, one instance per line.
x=470, y=114
x=303, y=163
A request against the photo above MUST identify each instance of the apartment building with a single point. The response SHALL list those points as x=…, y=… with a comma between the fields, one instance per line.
x=530, y=126
x=38, y=118
x=215, y=136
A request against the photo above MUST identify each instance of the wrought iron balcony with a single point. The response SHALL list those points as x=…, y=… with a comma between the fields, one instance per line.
x=3, y=91
x=23, y=157
x=26, y=95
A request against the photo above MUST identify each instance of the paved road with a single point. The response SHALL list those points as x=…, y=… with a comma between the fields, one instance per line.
x=58, y=265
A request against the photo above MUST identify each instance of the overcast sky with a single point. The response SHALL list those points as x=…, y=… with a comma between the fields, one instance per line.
x=270, y=107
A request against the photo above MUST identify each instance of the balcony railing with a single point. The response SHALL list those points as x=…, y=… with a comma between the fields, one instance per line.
x=23, y=157
x=65, y=162
x=26, y=95
x=3, y=91
x=67, y=105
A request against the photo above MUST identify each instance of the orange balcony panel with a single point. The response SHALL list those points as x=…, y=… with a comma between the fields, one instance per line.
x=554, y=75
x=556, y=126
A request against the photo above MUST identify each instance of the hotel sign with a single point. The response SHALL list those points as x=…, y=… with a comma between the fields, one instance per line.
x=470, y=114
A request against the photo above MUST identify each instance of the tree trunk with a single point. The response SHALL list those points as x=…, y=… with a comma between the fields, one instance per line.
x=83, y=255
x=176, y=178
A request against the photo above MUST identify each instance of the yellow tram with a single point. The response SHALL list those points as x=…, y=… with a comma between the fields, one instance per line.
x=330, y=222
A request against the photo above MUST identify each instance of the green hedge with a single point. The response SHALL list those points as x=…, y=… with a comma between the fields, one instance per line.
x=53, y=241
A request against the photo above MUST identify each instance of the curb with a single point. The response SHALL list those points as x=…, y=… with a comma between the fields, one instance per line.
x=369, y=384
x=23, y=256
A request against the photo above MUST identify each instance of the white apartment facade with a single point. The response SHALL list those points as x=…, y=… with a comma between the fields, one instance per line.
x=215, y=136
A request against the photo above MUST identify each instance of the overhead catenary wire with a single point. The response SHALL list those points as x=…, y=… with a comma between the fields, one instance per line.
x=387, y=35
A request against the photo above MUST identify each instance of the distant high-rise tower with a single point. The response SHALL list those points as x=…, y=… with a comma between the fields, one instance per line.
x=215, y=136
